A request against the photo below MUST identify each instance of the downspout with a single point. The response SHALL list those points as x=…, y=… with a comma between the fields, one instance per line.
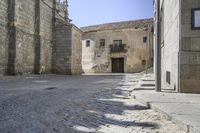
x=158, y=50
x=180, y=45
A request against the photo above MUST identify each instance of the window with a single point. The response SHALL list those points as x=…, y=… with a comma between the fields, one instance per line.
x=145, y=39
x=102, y=42
x=117, y=42
x=88, y=43
x=117, y=46
x=196, y=18
x=143, y=62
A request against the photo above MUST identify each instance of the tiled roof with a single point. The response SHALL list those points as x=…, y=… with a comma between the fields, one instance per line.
x=119, y=25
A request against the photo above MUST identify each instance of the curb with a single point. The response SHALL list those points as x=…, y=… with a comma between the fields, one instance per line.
x=187, y=128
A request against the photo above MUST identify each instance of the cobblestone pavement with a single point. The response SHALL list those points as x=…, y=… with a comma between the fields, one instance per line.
x=72, y=104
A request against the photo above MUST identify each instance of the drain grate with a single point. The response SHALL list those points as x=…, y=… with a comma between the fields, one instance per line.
x=51, y=88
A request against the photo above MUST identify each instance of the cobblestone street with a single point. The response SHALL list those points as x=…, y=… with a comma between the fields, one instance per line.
x=71, y=104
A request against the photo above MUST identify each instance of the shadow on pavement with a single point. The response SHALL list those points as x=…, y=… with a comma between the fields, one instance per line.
x=75, y=106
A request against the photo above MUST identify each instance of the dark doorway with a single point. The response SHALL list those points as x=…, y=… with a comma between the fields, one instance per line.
x=118, y=65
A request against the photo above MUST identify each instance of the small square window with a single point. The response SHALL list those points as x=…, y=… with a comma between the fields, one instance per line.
x=143, y=62
x=196, y=18
x=145, y=39
x=102, y=42
x=88, y=43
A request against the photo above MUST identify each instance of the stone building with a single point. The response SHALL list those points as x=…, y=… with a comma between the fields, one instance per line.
x=29, y=41
x=118, y=47
x=67, y=49
x=180, y=45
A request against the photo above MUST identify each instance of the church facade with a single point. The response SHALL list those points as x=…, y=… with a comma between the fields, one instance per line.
x=37, y=37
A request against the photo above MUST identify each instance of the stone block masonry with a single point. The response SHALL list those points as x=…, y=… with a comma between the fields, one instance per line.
x=62, y=49
x=67, y=49
x=189, y=54
x=29, y=37
x=26, y=25
x=3, y=36
x=180, y=62
x=26, y=36
x=76, y=50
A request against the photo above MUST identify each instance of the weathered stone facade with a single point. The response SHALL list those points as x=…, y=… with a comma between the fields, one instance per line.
x=132, y=52
x=180, y=46
x=189, y=49
x=76, y=55
x=30, y=36
x=3, y=36
x=27, y=34
x=67, y=49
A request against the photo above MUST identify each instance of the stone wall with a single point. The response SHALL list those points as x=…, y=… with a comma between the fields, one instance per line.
x=3, y=36
x=76, y=50
x=26, y=36
x=88, y=56
x=180, y=47
x=46, y=40
x=99, y=59
x=170, y=43
x=33, y=36
x=189, y=50
x=67, y=49
x=62, y=49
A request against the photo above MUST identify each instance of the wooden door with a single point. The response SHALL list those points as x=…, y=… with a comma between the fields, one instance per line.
x=117, y=65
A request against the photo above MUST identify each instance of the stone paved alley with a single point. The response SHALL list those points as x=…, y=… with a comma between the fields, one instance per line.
x=71, y=104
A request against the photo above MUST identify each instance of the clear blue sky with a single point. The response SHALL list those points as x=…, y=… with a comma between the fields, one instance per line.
x=91, y=12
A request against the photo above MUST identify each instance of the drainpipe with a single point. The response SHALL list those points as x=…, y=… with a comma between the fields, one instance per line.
x=158, y=50
x=147, y=43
